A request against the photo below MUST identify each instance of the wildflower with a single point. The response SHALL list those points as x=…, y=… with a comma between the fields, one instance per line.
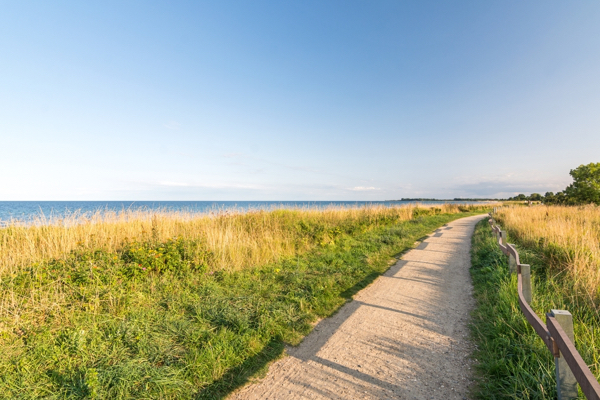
x=143, y=269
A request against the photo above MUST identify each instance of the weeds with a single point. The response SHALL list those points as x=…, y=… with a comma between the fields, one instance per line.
x=513, y=362
x=168, y=307
x=566, y=238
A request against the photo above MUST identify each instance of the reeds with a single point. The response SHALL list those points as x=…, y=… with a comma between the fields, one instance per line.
x=236, y=239
x=129, y=305
x=569, y=238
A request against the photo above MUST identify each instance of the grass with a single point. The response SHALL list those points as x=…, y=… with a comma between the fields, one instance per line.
x=513, y=362
x=175, y=307
x=567, y=239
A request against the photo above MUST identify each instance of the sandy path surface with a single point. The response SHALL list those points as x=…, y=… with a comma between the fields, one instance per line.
x=404, y=336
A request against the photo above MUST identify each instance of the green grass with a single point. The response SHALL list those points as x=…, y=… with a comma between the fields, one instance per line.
x=148, y=322
x=512, y=361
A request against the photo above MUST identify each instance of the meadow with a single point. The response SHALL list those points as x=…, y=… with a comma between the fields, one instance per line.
x=562, y=246
x=175, y=305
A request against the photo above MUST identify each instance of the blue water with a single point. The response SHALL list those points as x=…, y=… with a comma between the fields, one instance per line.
x=27, y=210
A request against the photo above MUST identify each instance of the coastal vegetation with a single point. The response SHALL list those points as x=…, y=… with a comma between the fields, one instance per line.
x=585, y=189
x=175, y=305
x=456, y=199
x=562, y=245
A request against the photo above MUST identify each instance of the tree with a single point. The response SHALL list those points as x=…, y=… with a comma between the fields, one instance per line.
x=549, y=198
x=535, y=197
x=586, y=184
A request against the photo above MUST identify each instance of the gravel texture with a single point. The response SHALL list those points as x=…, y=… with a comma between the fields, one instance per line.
x=403, y=337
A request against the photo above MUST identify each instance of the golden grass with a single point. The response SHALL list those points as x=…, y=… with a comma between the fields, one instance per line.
x=235, y=239
x=568, y=236
x=69, y=312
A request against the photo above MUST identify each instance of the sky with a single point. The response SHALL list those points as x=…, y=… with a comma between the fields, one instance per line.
x=296, y=100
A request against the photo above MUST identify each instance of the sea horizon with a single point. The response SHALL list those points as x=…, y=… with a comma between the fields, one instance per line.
x=28, y=210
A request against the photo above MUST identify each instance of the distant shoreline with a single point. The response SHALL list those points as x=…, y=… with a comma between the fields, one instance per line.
x=51, y=210
x=455, y=199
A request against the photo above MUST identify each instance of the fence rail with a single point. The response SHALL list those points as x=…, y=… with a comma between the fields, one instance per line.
x=557, y=332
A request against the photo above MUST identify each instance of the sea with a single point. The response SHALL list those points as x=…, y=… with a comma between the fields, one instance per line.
x=27, y=211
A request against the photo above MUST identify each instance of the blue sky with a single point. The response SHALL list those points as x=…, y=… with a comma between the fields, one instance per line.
x=296, y=100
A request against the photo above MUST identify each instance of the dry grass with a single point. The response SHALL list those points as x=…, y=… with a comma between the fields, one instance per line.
x=235, y=240
x=568, y=236
x=165, y=305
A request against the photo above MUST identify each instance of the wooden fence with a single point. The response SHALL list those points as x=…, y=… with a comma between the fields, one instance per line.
x=557, y=333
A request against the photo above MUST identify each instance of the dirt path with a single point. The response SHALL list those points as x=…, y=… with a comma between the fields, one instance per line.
x=403, y=337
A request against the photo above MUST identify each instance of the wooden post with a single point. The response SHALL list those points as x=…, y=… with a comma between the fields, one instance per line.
x=526, y=280
x=512, y=263
x=503, y=237
x=566, y=384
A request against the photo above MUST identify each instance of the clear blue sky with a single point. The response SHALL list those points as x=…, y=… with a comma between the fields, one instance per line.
x=295, y=100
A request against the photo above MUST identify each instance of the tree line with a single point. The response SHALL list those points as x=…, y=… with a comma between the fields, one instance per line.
x=585, y=189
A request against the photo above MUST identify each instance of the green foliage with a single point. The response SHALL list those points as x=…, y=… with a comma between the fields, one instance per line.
x=513, y=362
x=535, y=197
x=151, y=321
x=92, y=383
x=586, y=184
x=585, y=188
x=420, y=212
x=174, y=255
x=549, y=198
x=555, y=199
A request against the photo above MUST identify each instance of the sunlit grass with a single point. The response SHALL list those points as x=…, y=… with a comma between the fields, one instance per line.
x=175, y=305
x=559, y=244
x=568, y=238
x=234, y=239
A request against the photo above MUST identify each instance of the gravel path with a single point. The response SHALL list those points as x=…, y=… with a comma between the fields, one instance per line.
x=404, y=336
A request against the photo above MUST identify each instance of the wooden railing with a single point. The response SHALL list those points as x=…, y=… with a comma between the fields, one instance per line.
x=557, y=332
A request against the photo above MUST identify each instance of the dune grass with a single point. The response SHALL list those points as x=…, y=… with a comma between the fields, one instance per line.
x=231, y=240
x=568, y=239
x=174, y=306
x=512, y=361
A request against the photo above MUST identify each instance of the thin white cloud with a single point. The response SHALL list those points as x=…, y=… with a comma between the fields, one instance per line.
x=234, y=155
x=174, y=184
x=211, y=185
x=172, y=125
x=508, y=184
x=363, y=188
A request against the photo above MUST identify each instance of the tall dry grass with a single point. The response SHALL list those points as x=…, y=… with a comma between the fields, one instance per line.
x=569, y=237
x=74, y=320
x=235, y=239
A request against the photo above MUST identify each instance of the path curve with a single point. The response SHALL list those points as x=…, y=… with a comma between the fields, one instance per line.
x=404, y=336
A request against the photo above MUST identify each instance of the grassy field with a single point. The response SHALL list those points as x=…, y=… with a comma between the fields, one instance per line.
x=179, y=306
x=568, y=239
x=559, y=244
